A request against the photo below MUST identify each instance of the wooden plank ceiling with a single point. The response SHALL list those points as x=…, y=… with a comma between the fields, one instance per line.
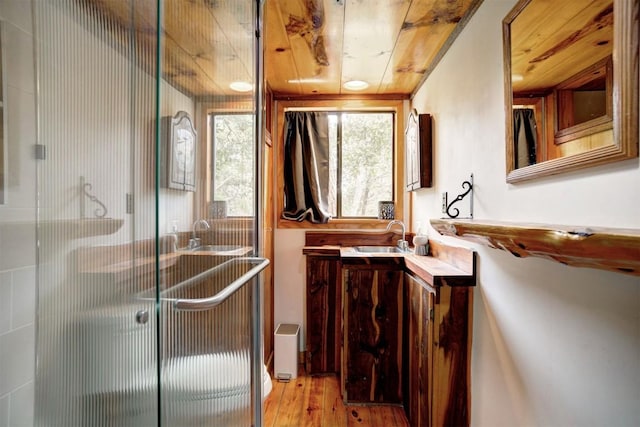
x=206, y=44
x=312, y=47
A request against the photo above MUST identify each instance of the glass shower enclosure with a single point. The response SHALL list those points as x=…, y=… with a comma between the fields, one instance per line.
x=134, y=294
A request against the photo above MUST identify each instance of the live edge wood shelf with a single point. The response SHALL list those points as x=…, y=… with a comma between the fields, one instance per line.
x=612, y=249
x=396, y=327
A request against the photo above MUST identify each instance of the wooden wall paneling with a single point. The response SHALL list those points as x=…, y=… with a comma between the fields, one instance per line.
x=268, y=251
x=354, y=238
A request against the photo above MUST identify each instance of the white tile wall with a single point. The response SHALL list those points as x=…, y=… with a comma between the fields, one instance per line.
x=18, y=12
x=18, y=67
x=5, y=302
x=17, y=242
x=4, y=411
x=20, y=110
x=17, y=246
x=17, y=355
x=21, y=404
x=23, y=297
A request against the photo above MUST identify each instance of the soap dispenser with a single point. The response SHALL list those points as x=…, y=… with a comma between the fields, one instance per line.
x=173, y=236
x=421, y=242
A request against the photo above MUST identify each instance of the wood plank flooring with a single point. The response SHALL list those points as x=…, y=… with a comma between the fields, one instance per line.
x=316, y=402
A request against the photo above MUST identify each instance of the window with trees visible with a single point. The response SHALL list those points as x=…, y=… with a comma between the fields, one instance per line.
x=360, y=162
x=233, y=162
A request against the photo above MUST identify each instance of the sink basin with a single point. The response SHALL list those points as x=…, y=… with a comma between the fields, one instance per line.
x=216, y=248
x=377, y=249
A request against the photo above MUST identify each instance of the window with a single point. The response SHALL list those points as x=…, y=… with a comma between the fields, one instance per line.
x=391, y=108
x=584, y=102
x=360, y=163
x=233, y=162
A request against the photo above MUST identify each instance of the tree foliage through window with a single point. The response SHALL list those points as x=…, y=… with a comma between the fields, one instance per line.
x=362, y=144
x=233, y=177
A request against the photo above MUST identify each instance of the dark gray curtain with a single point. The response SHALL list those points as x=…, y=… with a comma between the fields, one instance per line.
x=306, y=166
x=524, y=137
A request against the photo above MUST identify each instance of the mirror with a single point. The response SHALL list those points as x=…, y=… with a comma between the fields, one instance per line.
x=571, y=85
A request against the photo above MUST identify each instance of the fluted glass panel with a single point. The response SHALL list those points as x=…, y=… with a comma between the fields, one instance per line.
x=207, y=369
x=127, y=212
x=96, y=337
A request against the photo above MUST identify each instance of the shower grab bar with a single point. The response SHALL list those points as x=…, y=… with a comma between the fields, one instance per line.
x=201, y=304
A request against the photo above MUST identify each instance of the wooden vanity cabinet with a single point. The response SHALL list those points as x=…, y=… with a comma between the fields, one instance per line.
x=437, y=343
x=324, y=302
x=372, y=325
x=404, y=325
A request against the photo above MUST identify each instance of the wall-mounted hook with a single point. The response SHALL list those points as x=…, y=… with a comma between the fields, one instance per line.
x=85, y=187
x=447, y=208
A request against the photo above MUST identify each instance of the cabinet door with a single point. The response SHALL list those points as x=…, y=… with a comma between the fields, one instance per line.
x=451, y=380
x=418, y=149
x=323, y=333
x=372, y=349
x=412, y=164
x=418, y=345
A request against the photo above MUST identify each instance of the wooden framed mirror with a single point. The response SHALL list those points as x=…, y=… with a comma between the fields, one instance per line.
x=571, y=85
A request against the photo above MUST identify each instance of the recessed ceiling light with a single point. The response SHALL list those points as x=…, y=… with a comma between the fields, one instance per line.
x=241, y=86
x=355, y=85
x=312, y=80
x=517, y=77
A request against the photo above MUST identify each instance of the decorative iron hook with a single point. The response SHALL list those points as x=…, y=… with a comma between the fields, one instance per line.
x=447, y=207
x=99, y=212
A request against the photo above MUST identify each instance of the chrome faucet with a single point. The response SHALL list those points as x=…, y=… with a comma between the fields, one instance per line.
x=194, y=241
x=402, y=244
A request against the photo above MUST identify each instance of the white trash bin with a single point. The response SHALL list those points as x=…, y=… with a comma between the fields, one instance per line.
x=285, y=366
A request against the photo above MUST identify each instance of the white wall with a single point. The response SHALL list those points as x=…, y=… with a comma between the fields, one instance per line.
x=289, y=279
x=552, y=345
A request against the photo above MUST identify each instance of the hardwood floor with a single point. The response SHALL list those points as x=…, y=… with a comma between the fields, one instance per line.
x=316, y=402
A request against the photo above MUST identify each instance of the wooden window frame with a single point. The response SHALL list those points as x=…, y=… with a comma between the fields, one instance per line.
x=347, y=105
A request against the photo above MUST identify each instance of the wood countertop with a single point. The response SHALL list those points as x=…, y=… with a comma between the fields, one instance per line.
x=436, y=272
x=120, y=262
x=142, y=264
x=445, y=265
